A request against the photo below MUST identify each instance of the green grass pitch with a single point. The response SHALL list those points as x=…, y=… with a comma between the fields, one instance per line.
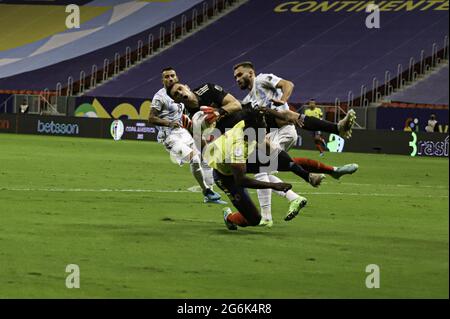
x=121, y=211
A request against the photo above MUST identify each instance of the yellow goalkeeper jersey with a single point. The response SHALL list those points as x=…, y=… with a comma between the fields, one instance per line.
x=316, y=112
x=229, y=148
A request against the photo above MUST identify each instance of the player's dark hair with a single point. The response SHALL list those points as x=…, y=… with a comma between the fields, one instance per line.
x=169, y=68
x=245, y=64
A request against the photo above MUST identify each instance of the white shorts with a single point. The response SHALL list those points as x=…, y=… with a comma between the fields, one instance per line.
x=181, y=146
x=283, y=138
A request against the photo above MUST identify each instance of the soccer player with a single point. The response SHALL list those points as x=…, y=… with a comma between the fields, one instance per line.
x=167, y=115
x=314, y=111
x=273, y=93
x=230, y=156
x=225, y=104
x=229, y=111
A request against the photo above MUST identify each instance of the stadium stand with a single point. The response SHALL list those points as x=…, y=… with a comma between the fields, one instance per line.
x=111, y=30
x=326, y=54
x=431, y=90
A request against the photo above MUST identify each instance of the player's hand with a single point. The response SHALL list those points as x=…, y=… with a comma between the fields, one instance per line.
x=300, y=121
x=212, y=114
x=282, y=187
x=174, y=124
x=277, y=102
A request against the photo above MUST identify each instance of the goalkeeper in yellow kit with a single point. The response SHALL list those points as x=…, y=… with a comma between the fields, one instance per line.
x=232, y=156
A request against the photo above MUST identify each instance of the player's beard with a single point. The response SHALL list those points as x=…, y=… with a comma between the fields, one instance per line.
x=245, y=84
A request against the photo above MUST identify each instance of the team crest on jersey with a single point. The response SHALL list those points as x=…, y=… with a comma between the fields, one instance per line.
x=238, y=152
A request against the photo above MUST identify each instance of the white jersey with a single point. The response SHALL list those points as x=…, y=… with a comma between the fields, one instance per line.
x=166, y=109
x=264, y=90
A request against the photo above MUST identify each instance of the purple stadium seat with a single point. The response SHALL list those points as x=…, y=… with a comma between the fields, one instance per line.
x=432, y=90
x=325, y=54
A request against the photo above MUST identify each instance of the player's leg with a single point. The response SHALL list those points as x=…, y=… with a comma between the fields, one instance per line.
x=319, y=142
x=207, y=174
x=296, y=202
x=265, y=199
x=182, y=150
x=281, y=161
x=247, y=214
x=342, y=128
x=285, y=164
x=286, y=137
x=201, y=172
x=314, y=166
x=197, y=172
x=282, y=138
x=210, y=196
x=265, y=195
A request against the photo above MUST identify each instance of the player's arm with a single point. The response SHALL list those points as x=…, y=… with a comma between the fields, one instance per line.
x=156, y=120
x=226, y=102
x=230, y=104
x=284, y=117
x=287, y=87
x=239, y=173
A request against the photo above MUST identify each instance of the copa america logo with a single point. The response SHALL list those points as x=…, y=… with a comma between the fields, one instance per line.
x=117, y=129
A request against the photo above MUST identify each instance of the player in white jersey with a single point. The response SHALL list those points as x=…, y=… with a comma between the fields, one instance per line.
x=273, y=92
x=269, y=90
x=167, y=115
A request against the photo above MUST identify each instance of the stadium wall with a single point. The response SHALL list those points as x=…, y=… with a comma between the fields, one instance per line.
x=111, y=107
x=74, y=126
x=383, y=142
x=395, y=118
x=362, y=141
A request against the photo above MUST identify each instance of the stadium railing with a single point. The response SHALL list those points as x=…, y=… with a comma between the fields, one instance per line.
x=390, y=84
x=136, y=49
x=402, y=77
x=144, y=48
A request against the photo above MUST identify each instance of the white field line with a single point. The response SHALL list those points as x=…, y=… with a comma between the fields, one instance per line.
x=193, y=190
x=377, y=185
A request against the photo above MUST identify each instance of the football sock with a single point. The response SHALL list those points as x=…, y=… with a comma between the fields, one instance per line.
x=285, y=164
x=237, y=219
x=311, y=123
x=290, y=195
x=319, y=145
x=208, y=175
x=313, y=166
x=196, y=171
x=264, y=197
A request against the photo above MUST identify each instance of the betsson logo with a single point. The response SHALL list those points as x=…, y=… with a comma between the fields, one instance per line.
x=56, y=128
